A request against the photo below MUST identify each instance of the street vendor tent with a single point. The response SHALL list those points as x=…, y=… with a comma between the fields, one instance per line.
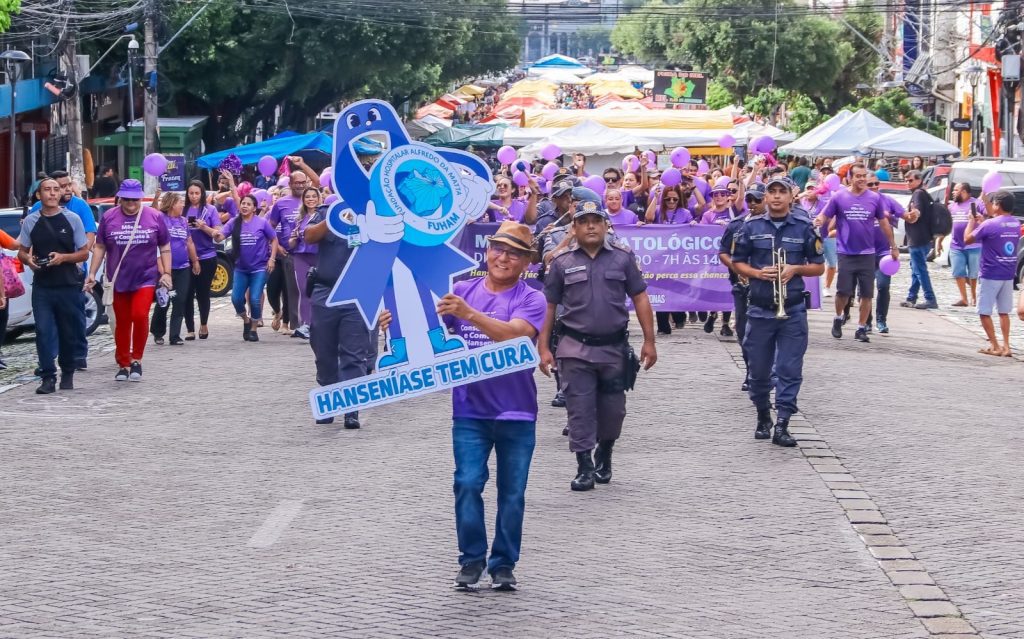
x=714, y=124
x=907, y=142
x=841, y=135
x=461, y=136
x=543, y=90
x=277, y=147
x=621, y=88
x=591, y=138
x=561, y=76
x=435, y=110
x=558, y=61
x=746, y=131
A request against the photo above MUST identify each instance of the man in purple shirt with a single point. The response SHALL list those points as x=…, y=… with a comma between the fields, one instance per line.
x=855, y=211
x=998, y=237
x=282, y=289
x=883, y=282
x=499, y=414
x=964, y=258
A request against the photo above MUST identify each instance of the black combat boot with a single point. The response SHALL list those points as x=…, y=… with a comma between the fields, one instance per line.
x=764, y=424
x=782, y=436
x=585, y=473
x=603, y=461
x=49, y=385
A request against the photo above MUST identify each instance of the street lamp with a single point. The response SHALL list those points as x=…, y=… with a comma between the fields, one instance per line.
x=13, y=59
x=973, y=72
x=133, y=51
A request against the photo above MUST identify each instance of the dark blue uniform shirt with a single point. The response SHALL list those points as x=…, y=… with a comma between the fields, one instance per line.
x=755, y=243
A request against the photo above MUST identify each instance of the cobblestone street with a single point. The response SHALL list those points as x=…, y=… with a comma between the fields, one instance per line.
x=203, y=502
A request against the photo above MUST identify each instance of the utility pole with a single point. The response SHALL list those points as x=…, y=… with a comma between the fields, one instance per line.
x=76, y=164
x=151, y=142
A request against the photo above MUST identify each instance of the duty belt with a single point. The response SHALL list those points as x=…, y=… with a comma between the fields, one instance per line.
x=586, y=339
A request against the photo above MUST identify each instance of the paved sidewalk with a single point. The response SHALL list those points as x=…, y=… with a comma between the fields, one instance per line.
x=203, y=502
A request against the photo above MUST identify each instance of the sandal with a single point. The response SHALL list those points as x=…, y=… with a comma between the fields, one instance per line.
x=276, y=324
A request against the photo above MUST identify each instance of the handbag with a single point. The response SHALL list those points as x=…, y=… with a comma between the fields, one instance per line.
x=13, y=286
x=108, y=286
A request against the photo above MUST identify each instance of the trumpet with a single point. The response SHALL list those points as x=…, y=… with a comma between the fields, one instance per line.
x=779, y=262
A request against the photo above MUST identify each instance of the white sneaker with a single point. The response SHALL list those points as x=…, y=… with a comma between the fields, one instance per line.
x=829, y=292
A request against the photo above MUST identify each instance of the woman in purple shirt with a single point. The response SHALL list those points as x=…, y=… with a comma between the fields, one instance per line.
x=618, y=215
x=304, y=255
x=134, y=241
x=203, y=223
x=964, y=258
x=184, y=264
x=254, y=244
x=506, y=206
x=667, y=207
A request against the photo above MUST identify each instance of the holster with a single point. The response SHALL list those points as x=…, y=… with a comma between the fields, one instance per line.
x=311, y=281
x=632, y=367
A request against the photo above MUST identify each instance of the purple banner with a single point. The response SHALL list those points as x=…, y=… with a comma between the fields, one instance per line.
x=679, y=263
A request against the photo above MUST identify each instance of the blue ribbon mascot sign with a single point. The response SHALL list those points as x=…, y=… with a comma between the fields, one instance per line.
x=401, y=214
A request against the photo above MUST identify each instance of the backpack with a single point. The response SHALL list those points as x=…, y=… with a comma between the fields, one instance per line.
x=942, y=219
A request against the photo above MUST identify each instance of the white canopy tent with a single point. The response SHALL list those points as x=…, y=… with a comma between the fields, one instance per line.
x=663, y=138
x=591, y=138
x=746, y=131
x=907, y=142
x=841, y=135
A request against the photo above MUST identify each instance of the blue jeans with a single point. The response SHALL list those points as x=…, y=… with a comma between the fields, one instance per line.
x=59, y=327
x=919, y=278
x=472, y=441
x=254, y=283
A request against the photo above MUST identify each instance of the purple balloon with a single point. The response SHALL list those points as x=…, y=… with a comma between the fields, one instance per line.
x=632, y=163
x=261, y=195
x=651, y=157
x=766, y=145
x=680, y=157
x=833, y=182
x=506, y=155
x=267, y=165
x=888, y=265
x=520, y=178
x=550, y=152
x=671, y=177
x=154, y=164
x=549, y=170
x=595, y=183
x=992, y=181
x=722, y=182
x=325, y=177
x=702, y=167
x=331, y=199
x=727, y=141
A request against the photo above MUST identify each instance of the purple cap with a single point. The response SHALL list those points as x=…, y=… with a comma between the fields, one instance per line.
x=131, y=190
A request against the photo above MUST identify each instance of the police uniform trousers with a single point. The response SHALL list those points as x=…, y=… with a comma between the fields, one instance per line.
x=595, y=399
x=739, y=296
x=780, y=342
x=342, y=346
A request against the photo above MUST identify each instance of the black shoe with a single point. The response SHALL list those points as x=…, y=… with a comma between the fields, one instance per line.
x=764, y=424
x=603, y=461
x=565, y=432
x=121, y=375
x=668, y=332
x=177, y=341
x=782, y=436
x=559, y=400
x=931, y=256
x=726, y=331
x=3, y=365
x=502, y=579
x=135, y=372
x=469, y=575
x=48, y=385
x=246, y=331
x=67, y=381
x=691, y=317
x=191, y=337
x=38, y=372
x=861, y=335
x=680, y=325
x=253, y=336
x=159, y=341
x=81, y=364
x=745, y=386
x=837, y=328
x=709, y=324
x=584, y=473
x=351, y=421
x=325, y=420
x=908, y=303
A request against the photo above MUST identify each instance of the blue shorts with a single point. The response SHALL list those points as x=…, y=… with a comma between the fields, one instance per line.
x=995, y=294
x=965, y=262
x=828, y=245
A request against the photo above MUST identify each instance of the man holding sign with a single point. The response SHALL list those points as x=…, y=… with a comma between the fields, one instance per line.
x=499, y=414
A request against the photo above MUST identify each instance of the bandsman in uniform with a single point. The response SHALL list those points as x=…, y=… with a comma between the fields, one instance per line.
x=591, y=280
x=777, y=336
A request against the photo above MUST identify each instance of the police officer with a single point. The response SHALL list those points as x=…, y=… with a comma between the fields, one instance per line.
x=772, y=339
x=740, y=285
x=591, y=280
x=343, y=347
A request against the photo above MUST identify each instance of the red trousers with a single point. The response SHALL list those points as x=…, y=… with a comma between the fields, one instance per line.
x=131, y=310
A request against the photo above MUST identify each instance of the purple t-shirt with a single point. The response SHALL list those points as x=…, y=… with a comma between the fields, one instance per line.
x=228, y=206
x=509, y=397
x=999, y=236
x=205, y=248
x=812, y=209
x=855, y=221
x=896, y=210
x=681, y=215
x=722, y=217
x=256, y=236
x=283, y=217
x=177, y=229
x=516, y=210
x=301, y=246
x=624, y=217
x=139, y=268
x=961, y=214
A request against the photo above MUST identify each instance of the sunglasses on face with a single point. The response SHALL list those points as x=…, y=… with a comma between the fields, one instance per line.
x=874, y=183
x=610, y=178
x=734, y=191
x=671, y=199
x=511, y=253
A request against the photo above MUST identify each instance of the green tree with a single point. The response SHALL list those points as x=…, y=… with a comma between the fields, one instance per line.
x=225, y=66
x=894, y=107
x=802, y=114
x=8, y=8
x=718, y=97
